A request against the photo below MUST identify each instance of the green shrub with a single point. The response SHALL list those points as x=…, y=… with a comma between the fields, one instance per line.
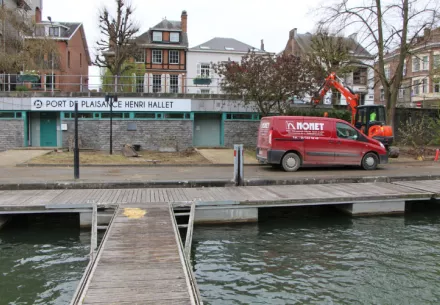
x=21, y=88
x=332, y=113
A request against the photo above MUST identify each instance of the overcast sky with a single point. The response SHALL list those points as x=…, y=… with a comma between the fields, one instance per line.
x=246, y=20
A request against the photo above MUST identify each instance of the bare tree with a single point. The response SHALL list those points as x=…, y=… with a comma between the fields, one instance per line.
x=331, y=53
x=117, y=44
x=266, y=81
x=22, y=46
x=387, y=28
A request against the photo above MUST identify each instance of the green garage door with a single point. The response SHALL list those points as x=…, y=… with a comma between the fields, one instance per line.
x=48, y=129
x=207, y=129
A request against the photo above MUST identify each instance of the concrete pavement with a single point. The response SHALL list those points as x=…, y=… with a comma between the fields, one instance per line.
x=206, y=176
x=14, y=157
x=224, y=156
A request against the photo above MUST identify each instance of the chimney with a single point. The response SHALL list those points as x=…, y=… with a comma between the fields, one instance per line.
x=292, y=33
x=37, y=15
x=184, y=21
x=262, y=45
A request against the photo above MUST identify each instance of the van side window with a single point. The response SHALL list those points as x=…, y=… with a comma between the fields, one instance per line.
x=345, y=131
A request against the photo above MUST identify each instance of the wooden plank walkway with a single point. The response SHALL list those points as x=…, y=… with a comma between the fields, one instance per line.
x=259, y=195
x=432, y=186
x=139, y=262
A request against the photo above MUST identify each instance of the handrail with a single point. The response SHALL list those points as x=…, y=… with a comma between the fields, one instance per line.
x=78, y=296
x=195, y=295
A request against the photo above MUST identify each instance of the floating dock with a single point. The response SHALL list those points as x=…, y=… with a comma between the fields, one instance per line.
x=142, y=259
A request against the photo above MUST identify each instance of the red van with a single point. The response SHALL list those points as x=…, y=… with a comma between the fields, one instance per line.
x=293, y=141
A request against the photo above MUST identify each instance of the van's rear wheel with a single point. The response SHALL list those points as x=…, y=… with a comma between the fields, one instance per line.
x=291, y=162
x=370, y=161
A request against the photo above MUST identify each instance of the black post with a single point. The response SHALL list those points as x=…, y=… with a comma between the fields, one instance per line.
x=111, y=125
x=76, y=149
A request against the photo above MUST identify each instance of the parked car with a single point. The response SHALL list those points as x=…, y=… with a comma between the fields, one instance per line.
x=293, y=141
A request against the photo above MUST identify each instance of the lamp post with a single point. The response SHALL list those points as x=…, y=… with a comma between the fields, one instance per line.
x=110, y=98
x=76, y=149
x=52, y=77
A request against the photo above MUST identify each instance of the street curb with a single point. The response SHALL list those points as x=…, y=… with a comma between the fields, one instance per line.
x=65, y=185
x=129, y=165
x=331, y=180
x=178, y=165
x=61, y=185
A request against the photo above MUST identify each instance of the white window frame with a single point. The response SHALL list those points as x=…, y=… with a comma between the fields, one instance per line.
x=157, y=83
x=178, y=57
x=156, y=36
x=174, y=83
x=139, y=83
x=54, y=31
x=436, y=61
x=415, y=60
x=425, y=85
x=401, y=93
x=436, y=86
x=363, y=77
x=205, y=91
x=387, y=72
x=174, y=34
x=382, y=94
x=141, y=57
x=416, y=86
x=156, y=53
x=425, y=63
x=205, y=70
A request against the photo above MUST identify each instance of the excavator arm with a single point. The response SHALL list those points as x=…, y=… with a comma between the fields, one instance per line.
x=333, y=81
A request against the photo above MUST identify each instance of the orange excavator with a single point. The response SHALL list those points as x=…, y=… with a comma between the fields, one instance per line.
x=369, y=119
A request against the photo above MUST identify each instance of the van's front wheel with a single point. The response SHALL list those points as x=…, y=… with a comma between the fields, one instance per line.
x=291, y=162
x=370, y=161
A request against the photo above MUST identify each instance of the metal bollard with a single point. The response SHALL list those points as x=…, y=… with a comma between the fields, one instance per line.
x=238, y=164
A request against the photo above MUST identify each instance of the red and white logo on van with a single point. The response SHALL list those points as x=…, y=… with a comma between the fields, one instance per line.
x=304, y=126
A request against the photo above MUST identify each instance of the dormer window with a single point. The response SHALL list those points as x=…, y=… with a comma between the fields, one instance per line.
x=174, y=37
x=54, y=31
x=229, y=49
x=157, y=36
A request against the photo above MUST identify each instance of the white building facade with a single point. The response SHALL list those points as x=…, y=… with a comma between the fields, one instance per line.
x=201, y=77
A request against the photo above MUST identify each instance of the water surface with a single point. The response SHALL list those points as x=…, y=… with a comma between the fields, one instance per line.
x=321, y=259
x=41, y=262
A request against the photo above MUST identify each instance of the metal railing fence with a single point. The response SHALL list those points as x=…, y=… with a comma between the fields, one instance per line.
x=148, y=83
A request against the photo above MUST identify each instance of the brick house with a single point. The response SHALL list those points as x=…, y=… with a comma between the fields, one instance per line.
x=70, y=72
x=421, y=72
x=164, y=56
x=360, y=81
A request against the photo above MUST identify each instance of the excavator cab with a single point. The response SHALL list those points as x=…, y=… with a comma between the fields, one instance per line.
x=371, y=120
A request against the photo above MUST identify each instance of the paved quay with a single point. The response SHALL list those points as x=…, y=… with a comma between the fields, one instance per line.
x=126, y=177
